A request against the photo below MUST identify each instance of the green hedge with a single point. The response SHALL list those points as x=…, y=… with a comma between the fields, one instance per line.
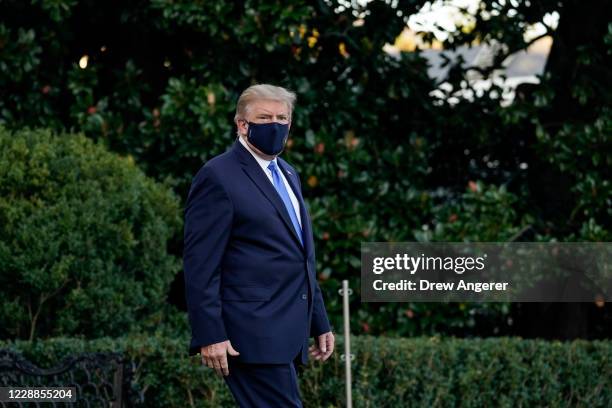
x=387, y=372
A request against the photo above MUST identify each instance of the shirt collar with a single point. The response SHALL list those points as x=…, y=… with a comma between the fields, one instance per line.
x=262, y=162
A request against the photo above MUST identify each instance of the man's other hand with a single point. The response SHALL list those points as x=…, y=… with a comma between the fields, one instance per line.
x=215, y=356
x=323, y=347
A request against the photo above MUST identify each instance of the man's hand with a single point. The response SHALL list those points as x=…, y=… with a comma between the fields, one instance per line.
x=215, y=356
x=323, y=347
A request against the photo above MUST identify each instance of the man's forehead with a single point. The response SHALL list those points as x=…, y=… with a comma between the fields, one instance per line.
x=272, y=107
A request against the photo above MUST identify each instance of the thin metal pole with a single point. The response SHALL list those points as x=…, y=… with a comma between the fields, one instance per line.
x=347, y=344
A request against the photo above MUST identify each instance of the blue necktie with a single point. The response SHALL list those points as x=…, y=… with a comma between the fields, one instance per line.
x=282, y=192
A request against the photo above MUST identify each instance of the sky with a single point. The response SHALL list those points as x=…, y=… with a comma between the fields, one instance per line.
x=442, y=16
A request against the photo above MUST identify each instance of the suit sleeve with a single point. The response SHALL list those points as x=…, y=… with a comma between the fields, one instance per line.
x=320, y=322
x=208, y=224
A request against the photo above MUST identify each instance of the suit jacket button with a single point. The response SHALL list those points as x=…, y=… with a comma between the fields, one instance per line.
x=304, y=296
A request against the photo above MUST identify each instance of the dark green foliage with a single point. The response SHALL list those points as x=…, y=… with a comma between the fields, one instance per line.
x=380, y=159
x=83, y=235
x=420, y=372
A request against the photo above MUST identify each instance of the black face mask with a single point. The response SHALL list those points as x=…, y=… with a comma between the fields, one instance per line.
x=270, y=138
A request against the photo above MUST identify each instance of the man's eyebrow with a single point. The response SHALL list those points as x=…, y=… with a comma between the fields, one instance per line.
x=268, y=114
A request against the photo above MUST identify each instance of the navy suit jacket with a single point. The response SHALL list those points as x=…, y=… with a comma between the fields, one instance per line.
x=247, y=276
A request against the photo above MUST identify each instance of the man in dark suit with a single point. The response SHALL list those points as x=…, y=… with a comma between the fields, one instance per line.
x=250, y=283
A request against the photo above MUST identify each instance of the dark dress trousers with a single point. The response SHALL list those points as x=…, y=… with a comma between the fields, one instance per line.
x=247, y=276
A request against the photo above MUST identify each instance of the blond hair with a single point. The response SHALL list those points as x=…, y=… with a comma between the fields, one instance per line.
x=263, y=91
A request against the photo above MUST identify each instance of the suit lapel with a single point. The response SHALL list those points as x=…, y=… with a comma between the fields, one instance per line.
x=256, y=174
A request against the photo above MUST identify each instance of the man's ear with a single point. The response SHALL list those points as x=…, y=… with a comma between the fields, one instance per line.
x=244, y=123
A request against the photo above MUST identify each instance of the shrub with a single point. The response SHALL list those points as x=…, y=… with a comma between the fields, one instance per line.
x=83, y=238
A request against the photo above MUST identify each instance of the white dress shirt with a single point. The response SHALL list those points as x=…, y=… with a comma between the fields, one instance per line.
x=264, y=166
